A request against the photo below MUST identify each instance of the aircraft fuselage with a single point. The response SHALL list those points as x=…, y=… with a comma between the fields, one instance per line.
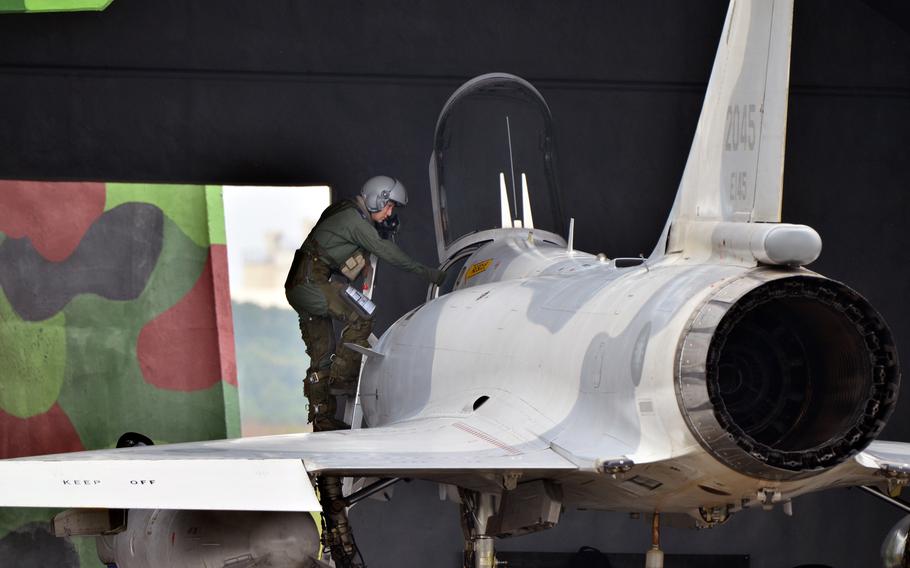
x=591, y=359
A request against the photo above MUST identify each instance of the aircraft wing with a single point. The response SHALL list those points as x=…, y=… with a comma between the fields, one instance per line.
x=270, y=473
x=875, y=465
x=885, y=465
x=890, y=456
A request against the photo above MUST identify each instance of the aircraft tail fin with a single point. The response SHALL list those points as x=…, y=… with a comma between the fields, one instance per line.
x=735, y=168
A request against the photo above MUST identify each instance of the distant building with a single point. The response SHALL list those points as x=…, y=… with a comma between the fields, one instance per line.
x=264, y=276
x=264, y=227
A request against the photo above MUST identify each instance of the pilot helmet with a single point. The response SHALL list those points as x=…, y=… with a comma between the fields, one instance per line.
x=379, y=190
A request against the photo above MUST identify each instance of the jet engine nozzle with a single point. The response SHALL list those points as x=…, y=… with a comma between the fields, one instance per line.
x=184, y=539
x=781, y=376
x=895, y=552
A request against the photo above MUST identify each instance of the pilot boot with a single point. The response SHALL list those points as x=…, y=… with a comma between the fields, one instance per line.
x=337, y=536
x=324, y=417
x=322, y=404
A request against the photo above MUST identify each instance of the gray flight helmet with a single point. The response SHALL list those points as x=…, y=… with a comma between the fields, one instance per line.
x=379, y=190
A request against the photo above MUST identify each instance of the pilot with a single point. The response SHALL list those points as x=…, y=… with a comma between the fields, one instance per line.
x=332, y=257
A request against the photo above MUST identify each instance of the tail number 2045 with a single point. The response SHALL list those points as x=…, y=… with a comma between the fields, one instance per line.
x=740, y=129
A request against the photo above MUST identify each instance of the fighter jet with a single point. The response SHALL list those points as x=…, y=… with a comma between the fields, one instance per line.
x=718, y=374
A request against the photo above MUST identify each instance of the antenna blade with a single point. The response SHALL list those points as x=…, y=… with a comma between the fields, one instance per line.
x=506, y=212
x=526, y=203
x=571, y=245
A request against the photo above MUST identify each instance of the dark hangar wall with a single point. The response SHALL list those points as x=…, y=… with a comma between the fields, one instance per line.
x=296, y=92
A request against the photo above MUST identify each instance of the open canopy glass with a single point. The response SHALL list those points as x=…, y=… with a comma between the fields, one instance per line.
x=494, y=160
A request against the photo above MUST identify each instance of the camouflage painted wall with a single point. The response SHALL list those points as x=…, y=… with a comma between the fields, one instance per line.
x=52, y=5
x=115, y=316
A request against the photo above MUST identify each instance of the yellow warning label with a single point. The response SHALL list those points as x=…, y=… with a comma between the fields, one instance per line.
x=477, y=268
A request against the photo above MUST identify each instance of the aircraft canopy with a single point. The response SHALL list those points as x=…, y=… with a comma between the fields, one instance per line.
x=493, y=149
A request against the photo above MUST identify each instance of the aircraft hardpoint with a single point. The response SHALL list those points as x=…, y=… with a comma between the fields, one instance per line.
x=716, y=375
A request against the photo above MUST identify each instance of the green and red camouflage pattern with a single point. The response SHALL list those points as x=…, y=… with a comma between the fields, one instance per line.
x=115, y=316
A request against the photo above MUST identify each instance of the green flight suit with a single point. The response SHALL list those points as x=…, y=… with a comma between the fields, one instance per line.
x=344, y=229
